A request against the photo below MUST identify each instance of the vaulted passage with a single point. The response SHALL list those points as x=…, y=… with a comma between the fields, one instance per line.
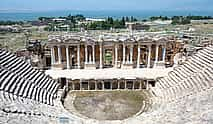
x=108, y=84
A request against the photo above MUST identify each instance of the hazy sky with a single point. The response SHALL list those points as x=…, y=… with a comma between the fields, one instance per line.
x=41, y=5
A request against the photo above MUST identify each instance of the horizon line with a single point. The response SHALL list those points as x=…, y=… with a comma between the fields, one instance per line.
x=52, y=10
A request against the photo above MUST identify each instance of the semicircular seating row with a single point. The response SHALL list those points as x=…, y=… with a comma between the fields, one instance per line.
x=195, y=75
x=19, y=78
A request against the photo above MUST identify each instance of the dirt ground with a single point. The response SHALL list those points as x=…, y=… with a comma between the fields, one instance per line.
x=112, y=105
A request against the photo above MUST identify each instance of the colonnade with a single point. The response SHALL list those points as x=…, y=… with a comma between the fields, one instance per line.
x=90, y=57
x=113, y=84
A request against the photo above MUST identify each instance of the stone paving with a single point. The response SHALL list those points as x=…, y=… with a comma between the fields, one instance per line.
x=110, y=73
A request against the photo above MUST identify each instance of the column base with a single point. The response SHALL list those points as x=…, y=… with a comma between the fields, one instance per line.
x=159, y=64
x=68, y=68
x=138, y=66
x=90, y=66
x=57, y=67
x=115, y=66
x=127, y=66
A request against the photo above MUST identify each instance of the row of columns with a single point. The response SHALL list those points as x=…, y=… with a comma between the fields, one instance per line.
x=67, y=56
x=129, y=61
x=93, y=55
x=149, y=55
x=142, y=85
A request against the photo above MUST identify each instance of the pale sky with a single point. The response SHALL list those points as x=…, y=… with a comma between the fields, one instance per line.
x=163, y=5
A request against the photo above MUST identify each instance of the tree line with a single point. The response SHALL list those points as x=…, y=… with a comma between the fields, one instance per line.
x=11, y=22
x=180, y=19
x=73, y=22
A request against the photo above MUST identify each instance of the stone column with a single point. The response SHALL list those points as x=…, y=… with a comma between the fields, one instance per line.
x=80, y=85
x=93, y=54
x=73, y=86
x=124, y=53
x=147, y=84
x=118, y=84
x=88, y=87
x=140, y=85
x=68, y=58
x=156, y=53
x=116, y=56
x=86, y=55
x=78, y=57
x=131, y=53
x=101, y=64
x=125, y=84
x=164, y=53
x=102, y=85
x=59, y=55
x=111, y=83
x=67, y=85
x=139, y=55
x=52, y=56
x=133, y=85
x=90, y=58
x=149, y=56
x=96, y=86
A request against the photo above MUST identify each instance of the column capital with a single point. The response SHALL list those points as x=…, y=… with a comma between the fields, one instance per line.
x=149, y=45
x=139, y=45
x=51, y=46
x=115, y=44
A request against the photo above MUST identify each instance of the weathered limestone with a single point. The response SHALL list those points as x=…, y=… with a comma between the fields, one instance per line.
x=149, y=56
x=59, y=55
x=139, y=54
x=52, y=56
x=78, y=56
x=93, y=53
x=156, y=54
x=131, y=54
x=126, y=55
x=164, y=53
x=107, y=84
x=116, y=56
x=101, y=63
x=68, y=58
x=86, y=55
